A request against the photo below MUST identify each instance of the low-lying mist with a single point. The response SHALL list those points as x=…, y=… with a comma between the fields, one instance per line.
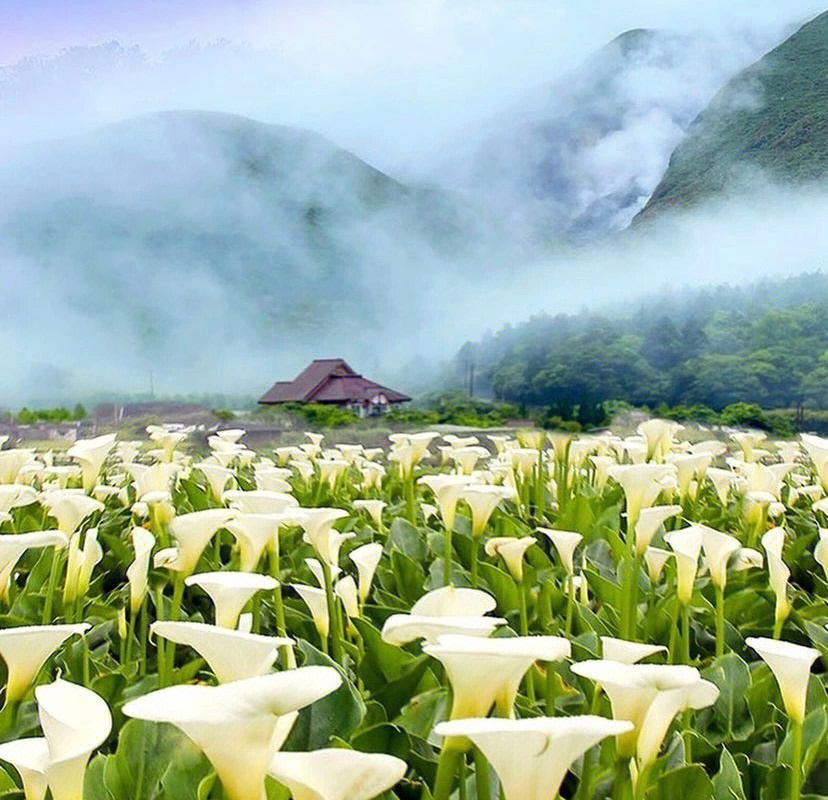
x=126, y=317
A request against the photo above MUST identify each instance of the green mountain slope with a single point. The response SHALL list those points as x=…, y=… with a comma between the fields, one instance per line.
x=772, y=117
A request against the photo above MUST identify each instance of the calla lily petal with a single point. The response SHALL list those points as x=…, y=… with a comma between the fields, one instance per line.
x=336, y=774
x=232, y=655
x=532, y=756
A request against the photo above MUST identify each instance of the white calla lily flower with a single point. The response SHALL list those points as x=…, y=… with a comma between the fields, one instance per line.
x=142, y=543
x=649, y=521
x=511, y=550
x=238, y=725
x=532, y=756
x=75, y=721
x=254, y=534
x=231, y=654
x=373, y=508
x=642, y=484
x=366, y=558
x=626, y=652
x=649, y=696
x=791, y=666
x=346, y=590
x=336, y=773
x=70, y=508
x=446, y=490
x=482, y=500
x=686, y=544
x=192, y=533
x=772, y=542
x=656, y=559
x=565, y=543
x=260, y=501
x=400, y=629
x=317, y=603
x=12, y=548
x=26, y=649
x=80, y=562
x=487, y=672
x=718, y=547
x=453, y=601
x=230, y=591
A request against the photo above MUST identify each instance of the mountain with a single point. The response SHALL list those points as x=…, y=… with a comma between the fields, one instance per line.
x=578, y=158
x=180, y=237
x=769, y=123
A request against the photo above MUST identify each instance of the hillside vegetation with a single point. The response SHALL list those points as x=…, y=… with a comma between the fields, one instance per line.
x=772, y=117
x=765, y=344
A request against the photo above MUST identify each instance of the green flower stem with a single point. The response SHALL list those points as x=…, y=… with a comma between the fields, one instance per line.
x=549, y=690
x=8, y=717
x=720, y=637
x=288, y=656
x=570, y=606
x=642, y=782
x=86, y=659
x=481, y=776
x=447, y=556
x=129, y=637
x=523, y=589
x=475, y=547
x=584, y=790
x=51, y=587
x=143, y=636
x=333, y=614
x=175, y=610
x=540, y=493
x=622, y=783
x=448, y=766
x=672, y=646
x=685, y=633
x=462, y=790
x=410, y=505
x=796, y=765
x=160, y=649
x=777, y=627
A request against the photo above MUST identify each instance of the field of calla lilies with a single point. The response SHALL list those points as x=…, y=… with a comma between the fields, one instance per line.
x=521, y=617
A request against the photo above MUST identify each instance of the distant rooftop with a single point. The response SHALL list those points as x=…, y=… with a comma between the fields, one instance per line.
x=331, y=380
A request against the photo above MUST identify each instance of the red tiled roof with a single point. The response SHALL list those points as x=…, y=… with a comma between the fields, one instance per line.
x=329, y=380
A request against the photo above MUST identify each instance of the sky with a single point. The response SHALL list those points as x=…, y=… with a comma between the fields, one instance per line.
x=387, y=79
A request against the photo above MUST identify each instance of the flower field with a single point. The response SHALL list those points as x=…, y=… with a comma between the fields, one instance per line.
x=524, y=617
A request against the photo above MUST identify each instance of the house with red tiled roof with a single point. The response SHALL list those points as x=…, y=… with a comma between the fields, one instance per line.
x=332, y=381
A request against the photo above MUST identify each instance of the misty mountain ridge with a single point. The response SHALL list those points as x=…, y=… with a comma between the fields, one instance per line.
x=768, y=124
x=578, y=158
x=167, y=226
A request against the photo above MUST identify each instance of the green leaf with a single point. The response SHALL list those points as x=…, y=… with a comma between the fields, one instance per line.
x=814, y=731
x=687, y=783
x=730, y=718
x=337, y=714
x=407, y=539
x=145, y=751
x=727, y=782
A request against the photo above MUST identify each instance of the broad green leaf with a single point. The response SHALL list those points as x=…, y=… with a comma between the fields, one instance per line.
x=727, y=782
x=688, y=783
x=145, y=751
x=340, y=713
x=814, y=731
x=730, y=720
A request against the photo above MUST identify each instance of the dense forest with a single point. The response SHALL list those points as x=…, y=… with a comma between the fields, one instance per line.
x=766, y=344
